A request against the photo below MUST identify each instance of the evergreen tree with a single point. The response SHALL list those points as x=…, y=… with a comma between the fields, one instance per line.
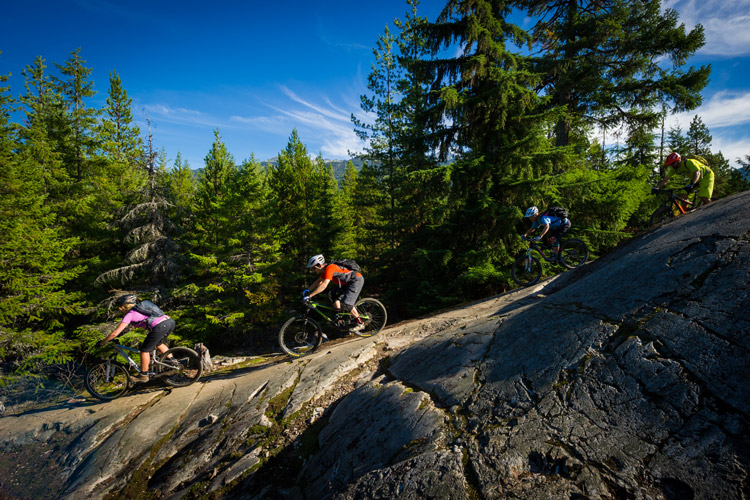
x=43, y=116
x=347, y=242
x=181, y=188
x=213, y=217
x=118, y=134
x=33, y=302
x=381, y=135
x=614, y=61
x=76, y=87
x=487, y=111
x=154, y=256
x=295, y=194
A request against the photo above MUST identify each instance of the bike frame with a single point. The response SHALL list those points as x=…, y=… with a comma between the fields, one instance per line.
x=123, y=350
x=681, y=204
x=317, y=306
x=534, y=246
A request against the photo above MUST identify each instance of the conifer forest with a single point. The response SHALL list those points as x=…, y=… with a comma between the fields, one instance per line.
x=472, y=120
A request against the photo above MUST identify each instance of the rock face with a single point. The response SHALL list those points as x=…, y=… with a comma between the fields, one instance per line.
x=625, y=379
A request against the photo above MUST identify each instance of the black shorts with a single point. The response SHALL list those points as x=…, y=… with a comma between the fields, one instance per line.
x=558, y=232
x=157, y=335
x=348, y=294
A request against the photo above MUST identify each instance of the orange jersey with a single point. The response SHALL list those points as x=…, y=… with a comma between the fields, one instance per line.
x=339, y=275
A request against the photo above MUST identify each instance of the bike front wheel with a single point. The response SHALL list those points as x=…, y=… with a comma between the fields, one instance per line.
x=526, y=270
x=661, y=214
x=185, y=366
x=373, y=314
x=300, y=336
x=107, y=380
x=573, y=253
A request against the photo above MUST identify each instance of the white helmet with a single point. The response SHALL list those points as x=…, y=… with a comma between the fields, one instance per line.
x=316, y=260
x=531, y=212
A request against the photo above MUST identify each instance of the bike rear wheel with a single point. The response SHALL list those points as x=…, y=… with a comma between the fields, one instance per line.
x=185, y=366
x=526, y=270
x=373, y=314
x=107, y=380
x=661, y=214
x=300, y=336
x=573, y=253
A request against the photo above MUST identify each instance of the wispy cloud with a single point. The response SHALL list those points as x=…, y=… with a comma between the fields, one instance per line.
x=725, y=23
x=723, y=109
x=182, y=116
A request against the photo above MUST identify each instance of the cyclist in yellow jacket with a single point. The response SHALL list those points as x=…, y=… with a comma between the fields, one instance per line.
x=700, y=175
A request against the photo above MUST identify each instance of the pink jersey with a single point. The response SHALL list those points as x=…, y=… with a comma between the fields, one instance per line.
x=138, y=320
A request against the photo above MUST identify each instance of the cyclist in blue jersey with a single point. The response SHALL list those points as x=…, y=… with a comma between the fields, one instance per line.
x=557, y=226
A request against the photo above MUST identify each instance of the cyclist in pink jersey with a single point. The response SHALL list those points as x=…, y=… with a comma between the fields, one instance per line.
x=159, y=329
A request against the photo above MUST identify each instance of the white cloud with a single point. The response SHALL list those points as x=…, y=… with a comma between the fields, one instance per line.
x=731, y=149
x=723, y=109
x=725, y=23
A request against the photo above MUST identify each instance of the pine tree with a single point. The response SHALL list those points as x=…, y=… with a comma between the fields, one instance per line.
x=486, y=110
x=614, y=61
x=292, y=182
x=119, y=136
x=154, y=257
x=347, y=242
x=76, y=87
x=33, y=302
x=213, y=217
x=43, y=116
x=181, y=188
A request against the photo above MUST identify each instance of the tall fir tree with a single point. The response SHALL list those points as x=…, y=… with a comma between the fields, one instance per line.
x=76, y=88
x=153, y=259
x=212, y=209
x=613, y=61
x=34, y=304
x=43, y=114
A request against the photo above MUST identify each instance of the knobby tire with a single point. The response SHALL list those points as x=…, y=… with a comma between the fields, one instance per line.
x=187, y=366
x=526, y=270
x=300, y=336
x=373, y=314
x=573, y=253
x=107, y=380
x=661, y=214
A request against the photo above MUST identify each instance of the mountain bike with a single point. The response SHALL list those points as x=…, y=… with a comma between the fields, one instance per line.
x=527, y=269
x=302, y=334
x=674, y=206
x=178, y=367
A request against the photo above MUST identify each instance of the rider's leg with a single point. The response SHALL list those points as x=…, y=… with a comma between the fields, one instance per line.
x=706, y=188
x=556, y=238
x=154, y=341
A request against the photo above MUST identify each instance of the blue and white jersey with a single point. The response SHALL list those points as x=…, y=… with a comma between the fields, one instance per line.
x=548, y=219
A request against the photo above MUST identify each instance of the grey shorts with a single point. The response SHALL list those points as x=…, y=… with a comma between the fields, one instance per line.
x=348, y=294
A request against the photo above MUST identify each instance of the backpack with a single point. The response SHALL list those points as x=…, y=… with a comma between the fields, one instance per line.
x=148, y=308
x=698, y=158
x=559, y=212
x=347, y=264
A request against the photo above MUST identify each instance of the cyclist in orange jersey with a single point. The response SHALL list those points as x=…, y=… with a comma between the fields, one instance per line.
x=349, y=285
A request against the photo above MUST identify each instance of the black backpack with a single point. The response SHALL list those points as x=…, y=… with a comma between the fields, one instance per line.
x=347, y=264
x=148, y=308
x=557, y=212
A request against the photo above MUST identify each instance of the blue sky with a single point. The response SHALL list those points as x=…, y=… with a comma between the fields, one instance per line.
x=257, y=70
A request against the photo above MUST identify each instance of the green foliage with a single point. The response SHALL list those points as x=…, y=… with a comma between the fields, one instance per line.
x=464, y=130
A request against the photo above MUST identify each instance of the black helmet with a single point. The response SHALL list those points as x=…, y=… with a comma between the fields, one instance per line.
x=128, y=298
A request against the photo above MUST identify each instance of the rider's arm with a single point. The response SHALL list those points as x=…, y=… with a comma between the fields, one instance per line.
x=545, y=228
x=696, y=177
x=318, y=286
x=117, y=331
x=663, y=182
